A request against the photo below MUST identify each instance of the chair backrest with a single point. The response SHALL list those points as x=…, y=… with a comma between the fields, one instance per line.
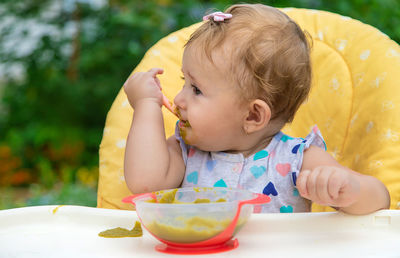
x=355, y=101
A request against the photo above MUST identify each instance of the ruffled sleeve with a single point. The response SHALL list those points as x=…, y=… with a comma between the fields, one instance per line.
x=184, y=146
x=313, y=138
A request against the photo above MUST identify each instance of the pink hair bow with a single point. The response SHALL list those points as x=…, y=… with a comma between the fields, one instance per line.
x=218, y=16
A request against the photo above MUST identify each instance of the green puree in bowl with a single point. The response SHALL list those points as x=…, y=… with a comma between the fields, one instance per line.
x=195, y=229
x=169, y=197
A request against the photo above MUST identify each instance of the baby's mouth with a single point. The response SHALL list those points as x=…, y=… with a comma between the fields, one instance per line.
x=184, y=123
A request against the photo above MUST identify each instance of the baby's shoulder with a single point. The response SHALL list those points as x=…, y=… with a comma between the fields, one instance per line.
x=284, y=142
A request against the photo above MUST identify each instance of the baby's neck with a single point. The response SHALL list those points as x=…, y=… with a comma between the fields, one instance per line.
x=259, y=140
x=262, y=144
x=253, y=144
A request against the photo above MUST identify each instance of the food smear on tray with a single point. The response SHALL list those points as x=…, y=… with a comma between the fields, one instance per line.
x=136, y=231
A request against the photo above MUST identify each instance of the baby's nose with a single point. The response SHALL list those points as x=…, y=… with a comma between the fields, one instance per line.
x=179, y=100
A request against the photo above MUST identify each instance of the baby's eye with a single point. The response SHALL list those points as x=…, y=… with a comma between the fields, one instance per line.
x=196, y=90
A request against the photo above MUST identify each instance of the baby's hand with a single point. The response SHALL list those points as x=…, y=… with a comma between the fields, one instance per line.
x=144, y=85
x=329, y=186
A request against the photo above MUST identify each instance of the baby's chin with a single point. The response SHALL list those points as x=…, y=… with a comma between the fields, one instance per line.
x=183, y=132
x=183, y=124
x=206, y=147
x=190, y=138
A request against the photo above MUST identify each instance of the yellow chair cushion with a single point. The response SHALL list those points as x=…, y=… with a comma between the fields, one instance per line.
x=355, y=101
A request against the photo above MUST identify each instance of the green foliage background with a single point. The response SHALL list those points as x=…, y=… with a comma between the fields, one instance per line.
x=52, y=116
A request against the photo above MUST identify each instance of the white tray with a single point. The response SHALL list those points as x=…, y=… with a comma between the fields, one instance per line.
x=71, y=231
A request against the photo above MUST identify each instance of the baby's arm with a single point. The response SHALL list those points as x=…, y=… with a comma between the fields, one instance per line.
x=324, y=181
x=151, y=162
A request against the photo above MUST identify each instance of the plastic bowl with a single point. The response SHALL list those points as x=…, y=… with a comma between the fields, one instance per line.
x=198, y=217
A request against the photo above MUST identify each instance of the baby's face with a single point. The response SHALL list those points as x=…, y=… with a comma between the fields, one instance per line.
x=211, y=117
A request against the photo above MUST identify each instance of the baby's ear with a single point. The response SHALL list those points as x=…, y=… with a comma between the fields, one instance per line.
x=258, y=116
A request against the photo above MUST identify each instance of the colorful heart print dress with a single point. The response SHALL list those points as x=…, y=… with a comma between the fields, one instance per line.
x=272, y=171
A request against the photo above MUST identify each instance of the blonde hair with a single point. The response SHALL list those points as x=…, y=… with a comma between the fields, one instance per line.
x=270, y=57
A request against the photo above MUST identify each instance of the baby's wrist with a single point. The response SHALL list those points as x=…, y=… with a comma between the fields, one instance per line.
x=147, y=102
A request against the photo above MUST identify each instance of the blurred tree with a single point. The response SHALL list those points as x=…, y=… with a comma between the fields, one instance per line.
x=74, y=55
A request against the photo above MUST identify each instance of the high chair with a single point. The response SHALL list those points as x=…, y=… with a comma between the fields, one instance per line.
x=355, y=101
